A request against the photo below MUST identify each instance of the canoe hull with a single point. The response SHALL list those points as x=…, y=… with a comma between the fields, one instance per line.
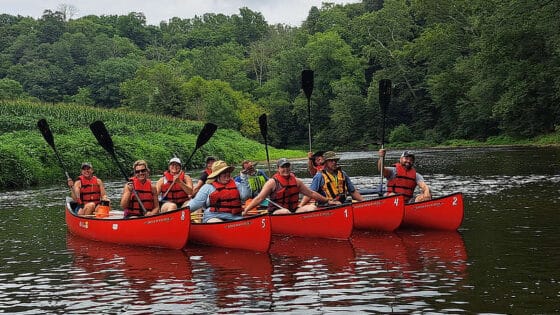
x=335, y=223
x=252, y=233
x=167, y=230
x=382, y=214
x=444, y=213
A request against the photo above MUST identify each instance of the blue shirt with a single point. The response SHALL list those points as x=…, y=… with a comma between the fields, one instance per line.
x=201, y=200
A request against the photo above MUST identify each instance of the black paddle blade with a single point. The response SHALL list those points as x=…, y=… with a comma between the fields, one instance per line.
x=384, y=93
x=263, y=125
x=102, y=135
x=307, y=82
x=46, y=131
x=205, y=134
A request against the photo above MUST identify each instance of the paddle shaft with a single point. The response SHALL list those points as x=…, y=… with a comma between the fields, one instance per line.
x=384, y=100
x=263, y=125
x=307, y=86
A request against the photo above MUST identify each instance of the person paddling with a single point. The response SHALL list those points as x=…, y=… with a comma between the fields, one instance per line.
x=402, y=178
x=145, y=190
x=174, y=187
x=87, y=190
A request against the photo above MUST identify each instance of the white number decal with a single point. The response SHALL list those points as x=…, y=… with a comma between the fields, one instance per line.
x=455, y=200
x=263, y=223
x=396, y=202
x=346, y=213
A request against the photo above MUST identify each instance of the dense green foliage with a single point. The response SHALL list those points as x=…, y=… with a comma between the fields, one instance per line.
x=461, y=69
x=28, y=160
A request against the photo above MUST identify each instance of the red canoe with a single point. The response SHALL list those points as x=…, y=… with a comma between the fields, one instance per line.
x=335, y=223
x=382, y=214
x=167, y=230
x=252, y=233
x=443, y=213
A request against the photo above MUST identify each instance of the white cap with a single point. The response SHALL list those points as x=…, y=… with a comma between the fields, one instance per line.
x=175, y=160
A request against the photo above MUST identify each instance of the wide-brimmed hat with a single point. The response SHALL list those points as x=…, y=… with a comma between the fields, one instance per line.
x=219, y=167
x=86, y=164
x=175, y=160
x=330, y=155
x=408, y=154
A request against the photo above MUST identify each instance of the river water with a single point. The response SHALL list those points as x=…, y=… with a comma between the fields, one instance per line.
x=504, y=259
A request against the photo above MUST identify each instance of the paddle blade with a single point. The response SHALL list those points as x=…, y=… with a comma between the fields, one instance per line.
x=205, y=134
x=384, y=94
x=46, y=131
x=263, y=126
x=307, y=82
x=102, y=135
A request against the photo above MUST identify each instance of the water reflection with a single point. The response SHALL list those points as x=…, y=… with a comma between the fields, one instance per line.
x=105, y=275
x=231, y=280
x=408, y=271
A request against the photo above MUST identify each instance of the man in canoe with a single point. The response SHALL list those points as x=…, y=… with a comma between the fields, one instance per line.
x=402, y=178
x=146, y=192
x=333, y=182
x=221, y=197
x=175, y=187
x=315, y=162
x=284, y=189
x=87, y=191
x=204, y=175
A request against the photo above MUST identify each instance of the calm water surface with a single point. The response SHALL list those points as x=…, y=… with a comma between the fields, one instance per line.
x=504, y=259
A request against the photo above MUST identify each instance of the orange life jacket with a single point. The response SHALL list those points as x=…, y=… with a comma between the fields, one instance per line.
x=144, y=191
x=225, y=198
x=176, y=194
x=286, y=194
x=403, y=183
x=90, y=190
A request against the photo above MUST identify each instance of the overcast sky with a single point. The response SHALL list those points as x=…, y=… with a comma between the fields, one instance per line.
x=291, y=12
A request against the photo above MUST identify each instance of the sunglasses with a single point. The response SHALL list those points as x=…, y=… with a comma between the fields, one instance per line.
x=140, y=171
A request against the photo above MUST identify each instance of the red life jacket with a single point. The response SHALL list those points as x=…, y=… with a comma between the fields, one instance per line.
x=335, y=188
x=176, y=194
x=404, y=183
x=225, y=198
x=144, y=191
x=286, y=193
x=90, y=190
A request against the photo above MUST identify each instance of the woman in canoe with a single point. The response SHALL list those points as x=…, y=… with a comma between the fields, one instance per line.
x=221, y=197
x=87, y=191
x=174, y=187
x=284, y=189
x=145, y=191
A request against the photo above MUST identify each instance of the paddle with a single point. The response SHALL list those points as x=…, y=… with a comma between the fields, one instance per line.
x=307, y=86
x=47, y=134
x=205, y=134
x=264, y=133
x=102, y=135
x=384, y=100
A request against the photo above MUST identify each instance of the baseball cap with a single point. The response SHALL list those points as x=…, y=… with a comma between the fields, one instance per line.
x=175, y=160
x=86, y=164
x=283, y=161
x=407, y=154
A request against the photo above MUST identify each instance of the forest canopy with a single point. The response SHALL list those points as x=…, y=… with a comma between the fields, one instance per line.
x=460, y=69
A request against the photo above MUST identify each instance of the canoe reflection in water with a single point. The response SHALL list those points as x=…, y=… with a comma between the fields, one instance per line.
x=311, y=272
x=110, y=273
x=237, y=280
x=413, y=266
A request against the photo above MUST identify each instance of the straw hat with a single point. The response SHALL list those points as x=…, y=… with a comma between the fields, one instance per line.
x=218, y=168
